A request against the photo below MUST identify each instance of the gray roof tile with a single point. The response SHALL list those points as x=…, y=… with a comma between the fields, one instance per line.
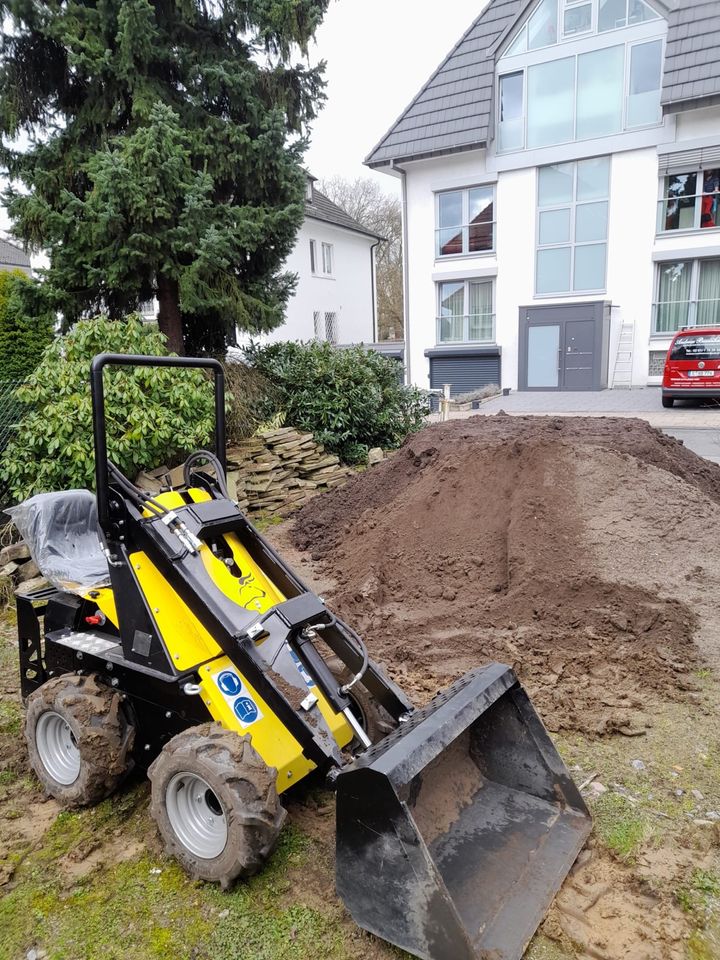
x=12, y=256
x=324, y=209
x=467, y=68
x=453, y=111
x=692, y=56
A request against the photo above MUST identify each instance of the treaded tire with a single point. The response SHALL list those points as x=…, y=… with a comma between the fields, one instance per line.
x=375, y=721
x=245, y=788
x=668, y=401
x=102, y=733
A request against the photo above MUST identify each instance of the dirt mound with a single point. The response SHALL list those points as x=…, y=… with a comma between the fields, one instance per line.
x=525, y=540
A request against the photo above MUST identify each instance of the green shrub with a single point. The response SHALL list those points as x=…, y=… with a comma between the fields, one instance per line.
x=26, y=325
x=153, y=414
x=351, y=399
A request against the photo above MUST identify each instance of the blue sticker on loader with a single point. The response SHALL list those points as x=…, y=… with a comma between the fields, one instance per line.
x=229, y=683
x=237, y=697
x=246, y=711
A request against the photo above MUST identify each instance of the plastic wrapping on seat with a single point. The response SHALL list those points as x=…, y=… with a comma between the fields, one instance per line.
x=61, y=532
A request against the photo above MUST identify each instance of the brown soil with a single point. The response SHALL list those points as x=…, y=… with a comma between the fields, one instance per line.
x=525, y=540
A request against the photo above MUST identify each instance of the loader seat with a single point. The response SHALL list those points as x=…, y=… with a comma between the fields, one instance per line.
x=61, y=531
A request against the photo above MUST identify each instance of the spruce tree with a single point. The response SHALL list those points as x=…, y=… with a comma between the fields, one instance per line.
x=154, y=147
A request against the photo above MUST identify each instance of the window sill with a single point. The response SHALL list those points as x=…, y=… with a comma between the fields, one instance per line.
x=322, y=276
x=449, y=258
x=574, y=294
x=687, y=232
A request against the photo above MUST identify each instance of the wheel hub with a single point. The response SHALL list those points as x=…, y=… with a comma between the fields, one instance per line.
x=57, y=748
x=196, y=815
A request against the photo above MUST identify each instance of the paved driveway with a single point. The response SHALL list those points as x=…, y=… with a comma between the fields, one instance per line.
x=698, y=426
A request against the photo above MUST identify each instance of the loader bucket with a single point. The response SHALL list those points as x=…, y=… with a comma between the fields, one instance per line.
x=455, y=832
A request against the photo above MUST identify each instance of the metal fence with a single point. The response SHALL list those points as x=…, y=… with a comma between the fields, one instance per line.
x=11, y=411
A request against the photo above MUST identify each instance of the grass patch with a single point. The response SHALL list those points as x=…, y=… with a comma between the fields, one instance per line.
x=702, y=893
x=263, y=523
x=620, y=826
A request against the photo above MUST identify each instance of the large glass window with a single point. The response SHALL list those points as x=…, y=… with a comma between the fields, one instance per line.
x=577, y=19
x=614, y=14
x=600, y=82
x=550, y=102
x=542, y=25
x=465, y=221
x=643, y=105
x=465, y=312
x=688, y=295
x=691, y=201
x=583, y=96
x=511, y=126
x=572, y=227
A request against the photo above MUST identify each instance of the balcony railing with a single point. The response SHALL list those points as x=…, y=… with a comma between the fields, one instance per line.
x=694, y=212
x=671, y=316
x=472, y=328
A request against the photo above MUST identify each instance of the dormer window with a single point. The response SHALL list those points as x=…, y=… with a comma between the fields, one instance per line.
x=309, y=189
x=554, y=21
x=550, y=92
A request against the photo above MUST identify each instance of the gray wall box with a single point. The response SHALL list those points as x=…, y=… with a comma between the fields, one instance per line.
x=564, y=346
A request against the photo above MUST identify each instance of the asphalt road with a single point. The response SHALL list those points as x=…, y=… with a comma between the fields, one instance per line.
x=705, y=441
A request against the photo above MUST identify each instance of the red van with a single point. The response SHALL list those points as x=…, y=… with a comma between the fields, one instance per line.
x=692, y=366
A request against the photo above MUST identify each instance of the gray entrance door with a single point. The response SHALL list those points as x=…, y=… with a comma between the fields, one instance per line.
x=578, y=355
x=564, y=347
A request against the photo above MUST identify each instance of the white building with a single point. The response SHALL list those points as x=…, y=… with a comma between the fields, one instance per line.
x=334, y=259
x=335, y=298
x=561, y=188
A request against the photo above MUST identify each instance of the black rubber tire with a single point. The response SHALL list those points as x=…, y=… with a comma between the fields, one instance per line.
x=668, y=402
x=243, y=784
x=374, y=719
x=102, y=731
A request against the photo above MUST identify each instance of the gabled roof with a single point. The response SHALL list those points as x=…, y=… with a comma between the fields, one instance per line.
x=12, y=256
x=324, y=209
x=453, y=111
x=692, y=55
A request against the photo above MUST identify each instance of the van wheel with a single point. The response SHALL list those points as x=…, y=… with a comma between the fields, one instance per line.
x=215, y=803
x=375, y=721
x=79, y=739
x=668, y=401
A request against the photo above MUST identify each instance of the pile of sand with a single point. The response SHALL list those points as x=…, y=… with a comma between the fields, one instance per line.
x=578, y=550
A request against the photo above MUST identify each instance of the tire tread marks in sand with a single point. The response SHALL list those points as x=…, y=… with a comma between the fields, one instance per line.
x=470, y=544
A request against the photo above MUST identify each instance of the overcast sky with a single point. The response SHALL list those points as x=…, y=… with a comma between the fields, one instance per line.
x=379, y=53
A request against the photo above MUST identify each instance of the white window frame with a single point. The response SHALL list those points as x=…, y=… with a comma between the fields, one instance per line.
x=663, y=203
x=572, y=204
x=328, y=259
x=465, y=226
x=693, y=295
x=466, y=316
x=313, y=257
x=523, y=62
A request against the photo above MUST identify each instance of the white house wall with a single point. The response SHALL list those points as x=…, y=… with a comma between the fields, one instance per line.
x=632, y=247
x=348, y=293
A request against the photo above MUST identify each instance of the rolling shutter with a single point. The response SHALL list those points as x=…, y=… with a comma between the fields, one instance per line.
x=464, y=373
x=685, y=161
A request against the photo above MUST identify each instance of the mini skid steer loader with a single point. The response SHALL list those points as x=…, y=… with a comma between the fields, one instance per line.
x=175, y=639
